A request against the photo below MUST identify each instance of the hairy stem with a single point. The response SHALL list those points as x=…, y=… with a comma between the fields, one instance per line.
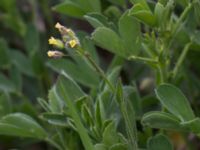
x=96, y=67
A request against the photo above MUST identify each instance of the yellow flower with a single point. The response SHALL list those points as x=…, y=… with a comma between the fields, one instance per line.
x=55, y=54
x=52, y=41
x=73, y=43
x=58, y=43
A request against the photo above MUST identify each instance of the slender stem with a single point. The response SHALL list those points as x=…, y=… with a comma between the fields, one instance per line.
x=179, y=22
x=182, y=17
x=181, y=59
x=142, y=59
x=96, y=67
x=161, y=74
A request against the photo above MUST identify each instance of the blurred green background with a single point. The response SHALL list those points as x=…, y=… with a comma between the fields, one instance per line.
x=27, y=73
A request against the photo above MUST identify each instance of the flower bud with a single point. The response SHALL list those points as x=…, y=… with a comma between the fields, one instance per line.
x=65, y=31
x=55, y=54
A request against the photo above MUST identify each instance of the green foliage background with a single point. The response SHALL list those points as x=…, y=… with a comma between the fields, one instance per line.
x=135, y=86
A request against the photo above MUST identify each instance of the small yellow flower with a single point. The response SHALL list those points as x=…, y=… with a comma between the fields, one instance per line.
x=58, y=43
x=52, y=41
x=73, y=43
x=55, y=54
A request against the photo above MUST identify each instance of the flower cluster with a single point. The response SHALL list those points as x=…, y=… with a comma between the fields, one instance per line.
x=69, y=40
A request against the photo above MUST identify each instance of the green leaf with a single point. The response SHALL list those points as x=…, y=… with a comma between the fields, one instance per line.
x=55, y=119
x=112, y=77
x=100, y=147
x=31, y=38
x=44, y=104
x=73, y=91
x=158, y=11
x=110, y=135
x=21, y=62
x=132, y=95
x=162, y=120
x=87, y=115
x=16, y=77
x=90, y=5
x=196, y=10
x=108, y=39
x=6, y=85
x=159, y=142
x=4, y=57
x=37, y=64
x=113, y=13
x=141, y=2
x=193, y=125
x=129, y=29
x=174, y=100
x=55, y=104
x=12, y=18
x=80, y=73
x=70, y=8
x=81, y=101
x=68, y=91
x=19, y=124
x=98, y=114
x=97, y=20
x=129, y=118
x=143, y=14
x=5, y=104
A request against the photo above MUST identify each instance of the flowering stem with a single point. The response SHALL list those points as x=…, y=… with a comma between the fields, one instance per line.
x=96, y=67
x=99, y=70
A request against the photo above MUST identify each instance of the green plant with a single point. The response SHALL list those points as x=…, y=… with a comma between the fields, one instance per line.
x=90, y=107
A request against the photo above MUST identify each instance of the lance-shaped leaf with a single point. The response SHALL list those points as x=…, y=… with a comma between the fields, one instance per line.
x=55, y=119
x=68, y=91
x=19, y=124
